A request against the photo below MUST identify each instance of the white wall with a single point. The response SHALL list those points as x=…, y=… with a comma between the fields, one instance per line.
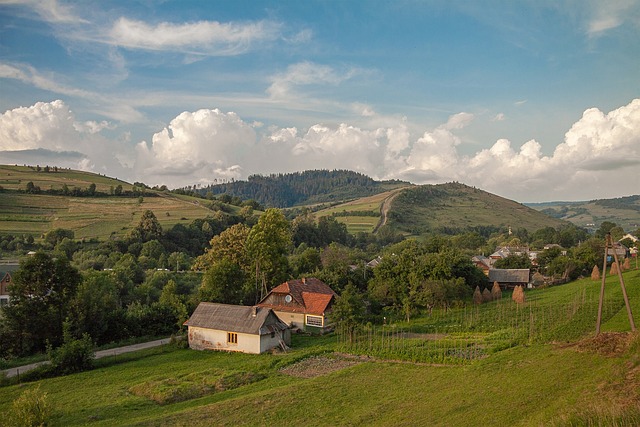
x=212, y=339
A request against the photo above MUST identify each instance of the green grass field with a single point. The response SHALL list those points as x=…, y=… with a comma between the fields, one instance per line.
x=88, y=217
x=557, y=376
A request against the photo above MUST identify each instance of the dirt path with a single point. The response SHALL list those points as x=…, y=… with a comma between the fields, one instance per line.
x=384, y=209
x=99, y=354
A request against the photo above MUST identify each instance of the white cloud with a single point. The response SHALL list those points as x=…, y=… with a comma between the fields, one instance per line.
x=49, y=10
x=304, y=74
x=196, y=145
x=608, y=15
x=598, y=158
x=204, y=37
x=499, y=117
x=48, y=130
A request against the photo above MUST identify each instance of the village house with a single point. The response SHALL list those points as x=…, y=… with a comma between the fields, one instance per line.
x=236, y=328
x=304, y=304
x=5, y=281
x=509, y=278
x=483, y=263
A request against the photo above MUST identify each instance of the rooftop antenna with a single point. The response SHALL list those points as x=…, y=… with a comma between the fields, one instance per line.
x=609, y=245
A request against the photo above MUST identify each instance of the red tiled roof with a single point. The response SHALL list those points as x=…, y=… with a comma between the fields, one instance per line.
x=316, y=303
x=312, y=294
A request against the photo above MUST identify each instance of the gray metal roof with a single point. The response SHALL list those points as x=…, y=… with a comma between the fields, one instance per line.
x=509, y=275
x=235, y=318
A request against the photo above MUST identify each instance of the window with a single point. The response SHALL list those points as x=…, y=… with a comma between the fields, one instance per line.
x=232, y=338
x=314, y=321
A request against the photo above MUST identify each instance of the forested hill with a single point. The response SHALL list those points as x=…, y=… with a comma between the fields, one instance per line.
x=301, y=188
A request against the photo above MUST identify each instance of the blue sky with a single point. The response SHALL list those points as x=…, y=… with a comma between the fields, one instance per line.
x=531, y=100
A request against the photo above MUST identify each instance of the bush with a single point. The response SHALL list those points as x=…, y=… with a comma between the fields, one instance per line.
x=74, y=355
x=31, y=408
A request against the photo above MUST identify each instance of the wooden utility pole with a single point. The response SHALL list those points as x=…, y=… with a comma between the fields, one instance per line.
x=609, y=244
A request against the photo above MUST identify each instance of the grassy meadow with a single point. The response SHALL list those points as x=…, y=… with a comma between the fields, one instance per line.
x=88, y=217
x=540, y=365
x=365, y=213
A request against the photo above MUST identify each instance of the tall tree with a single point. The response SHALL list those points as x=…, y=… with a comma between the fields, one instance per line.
x=42, y=290
x=148, y=228
x=267, y=245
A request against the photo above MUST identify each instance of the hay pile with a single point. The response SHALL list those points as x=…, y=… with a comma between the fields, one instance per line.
x=595, y=273
x=496, y=292
x=518, y=295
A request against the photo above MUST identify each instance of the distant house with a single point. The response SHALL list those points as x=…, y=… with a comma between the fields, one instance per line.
x=303, y=304
x=236, y=328
x=483, y=263
x=505, y=251
x=5, y=281
x=620, y=250
x=509, y=278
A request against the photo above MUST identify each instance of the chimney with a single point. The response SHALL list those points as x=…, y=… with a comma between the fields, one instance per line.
x=254, y=311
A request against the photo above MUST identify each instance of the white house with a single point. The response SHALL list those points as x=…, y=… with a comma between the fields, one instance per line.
x=236, y=328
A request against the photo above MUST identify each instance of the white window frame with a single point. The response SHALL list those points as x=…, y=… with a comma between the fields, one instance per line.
x=316, y=321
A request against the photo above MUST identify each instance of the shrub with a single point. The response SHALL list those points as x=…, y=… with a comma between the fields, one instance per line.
x=31, y=408
x=74, y=355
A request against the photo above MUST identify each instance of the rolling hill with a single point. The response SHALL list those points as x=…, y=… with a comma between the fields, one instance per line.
x=100, y=217
x=443, y=208
x=624, y=211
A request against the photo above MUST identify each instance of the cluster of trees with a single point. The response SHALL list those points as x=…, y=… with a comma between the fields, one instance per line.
x=90, y=191
x=130, y=287
x=286, y=190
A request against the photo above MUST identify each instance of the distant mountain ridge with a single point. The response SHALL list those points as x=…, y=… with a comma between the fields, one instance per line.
x=303, y=188
x=624, y=211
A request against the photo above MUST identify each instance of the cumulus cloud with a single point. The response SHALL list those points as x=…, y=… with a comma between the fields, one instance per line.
x=48, y=132
x=202, y=144
x=598, y=157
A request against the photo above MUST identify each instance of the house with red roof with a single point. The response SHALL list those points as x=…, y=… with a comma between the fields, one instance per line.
x=303, y=304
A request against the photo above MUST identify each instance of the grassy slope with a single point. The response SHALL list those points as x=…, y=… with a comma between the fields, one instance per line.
x=357, y=223
x=88, y=217
x=534, y=384
x=419, y=209
x=458, y=206
x=583, y=213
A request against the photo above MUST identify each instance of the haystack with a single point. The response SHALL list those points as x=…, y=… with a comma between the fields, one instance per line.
x=477, y=296
x=614, y=268
x=518, y=295
x=496, y=292
x=486, y=295
x=595, y=273
x=626, y=265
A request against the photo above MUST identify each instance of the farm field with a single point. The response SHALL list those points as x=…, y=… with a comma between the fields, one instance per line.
x=541, y=366
x=361, y=215
x=89, y=217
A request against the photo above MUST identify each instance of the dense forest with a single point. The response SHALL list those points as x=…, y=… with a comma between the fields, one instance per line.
x=314, y=186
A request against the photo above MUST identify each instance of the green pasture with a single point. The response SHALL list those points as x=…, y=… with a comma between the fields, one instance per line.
x=91, y=217
x=533, y=370
x=17, y=177
x=359, y=223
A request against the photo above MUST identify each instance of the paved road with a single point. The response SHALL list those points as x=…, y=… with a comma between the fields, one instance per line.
x=99, y=354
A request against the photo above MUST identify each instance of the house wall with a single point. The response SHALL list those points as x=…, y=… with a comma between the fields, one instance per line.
x=293, y=319
x=267, y=342
x=213, y=339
